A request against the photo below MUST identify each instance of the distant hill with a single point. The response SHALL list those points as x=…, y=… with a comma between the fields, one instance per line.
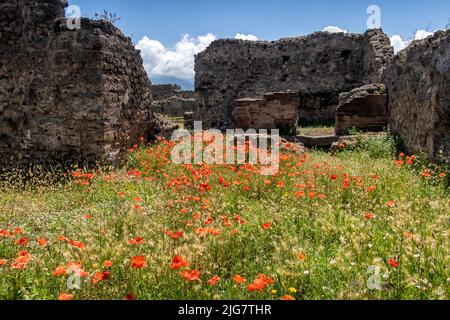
x=185, y=85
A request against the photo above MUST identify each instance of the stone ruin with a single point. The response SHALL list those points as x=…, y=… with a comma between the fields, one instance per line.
x=81, y=95
x=272, y=111
x=171, y=100
x=319, y=67
x=418, y=83
x=409, y=93
x=364, y=108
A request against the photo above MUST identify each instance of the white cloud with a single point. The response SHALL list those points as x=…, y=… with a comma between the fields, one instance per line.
x=248, y=37
x=422, y=34
x=399, y=44
x=177, y=62
x=333, y=29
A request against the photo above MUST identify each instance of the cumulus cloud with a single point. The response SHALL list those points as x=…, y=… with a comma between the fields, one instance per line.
x=249, y=37
x=177, y=62
x=399, y=44
x=333, y=29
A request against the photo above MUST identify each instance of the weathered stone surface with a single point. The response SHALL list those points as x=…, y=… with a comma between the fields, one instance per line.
x=363, y=108
x=166, y=91
x=188, y=120
x=174, y=106
x=171, y=100
x=272, y=111
x=318, y=67
x=418, y=82
x=314, y=141
x=79, y=95
x=161, y=126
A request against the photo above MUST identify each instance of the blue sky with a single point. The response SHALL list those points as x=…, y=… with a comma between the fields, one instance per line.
x=167, y=21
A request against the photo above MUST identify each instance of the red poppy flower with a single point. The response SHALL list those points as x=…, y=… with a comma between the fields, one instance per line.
x=239, y=279
x=178, y=263
x=130, y=297
x=108, y=264
x=21, y=261
x=65, y=297
x=175, y=235
x=369, y=216
x=390, y=204
x=100, y=276
x=213, y=281
x=78, y=244
x=267, y=225
x=138, y=262
x=3, y=262
x=239, y=220
x=137, y=240
x=22, y=241
x=393, y=263
x=191, y=275
x=426, y=174
x=260, y=283
x=42, y=242
x=300, y=194
x=287, y=298
x=59, y=271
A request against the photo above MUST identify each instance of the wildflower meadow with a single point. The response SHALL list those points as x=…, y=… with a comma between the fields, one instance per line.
x=366, y=222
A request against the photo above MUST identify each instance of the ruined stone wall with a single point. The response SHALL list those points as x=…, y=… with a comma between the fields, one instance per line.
x=166, y=91
x=273, y=111
x=79, y=95
x=171, y=100
x=319, y=67
x=418, y=82
x=364, y=108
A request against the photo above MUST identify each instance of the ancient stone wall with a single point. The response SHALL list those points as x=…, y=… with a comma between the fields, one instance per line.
x=171, y=100
x=418, y=82
x=319, y=67
x=363, y=108
x=273, y=111
x=81, y=95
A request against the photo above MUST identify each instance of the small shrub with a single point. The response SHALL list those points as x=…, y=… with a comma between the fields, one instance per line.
x=107, y=16
x=380, y=146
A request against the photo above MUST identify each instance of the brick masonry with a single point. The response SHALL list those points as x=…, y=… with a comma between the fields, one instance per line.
x=272, y=111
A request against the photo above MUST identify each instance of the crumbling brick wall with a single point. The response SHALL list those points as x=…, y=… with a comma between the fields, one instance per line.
x=364, y=108
x=78, y=95
x=273, y=111
x=319, y=67
x=418, y=82
x=171, y=100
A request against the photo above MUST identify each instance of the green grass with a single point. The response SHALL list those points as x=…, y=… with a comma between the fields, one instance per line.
x=317, y=206
x=316, y=131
